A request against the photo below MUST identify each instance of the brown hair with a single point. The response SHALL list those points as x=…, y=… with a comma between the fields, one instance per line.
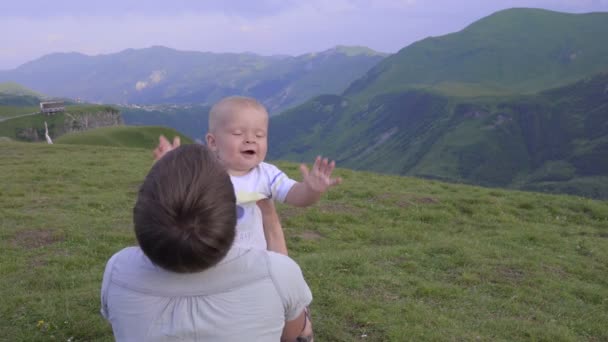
x=229, y=104
x=185, y=214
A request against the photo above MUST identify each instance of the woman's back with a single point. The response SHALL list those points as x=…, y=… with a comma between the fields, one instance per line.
x=247, y=296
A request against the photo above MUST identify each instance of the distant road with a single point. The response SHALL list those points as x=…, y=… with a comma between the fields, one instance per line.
x=18, y=116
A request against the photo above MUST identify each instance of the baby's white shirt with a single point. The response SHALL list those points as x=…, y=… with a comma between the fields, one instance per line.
x=263, y=181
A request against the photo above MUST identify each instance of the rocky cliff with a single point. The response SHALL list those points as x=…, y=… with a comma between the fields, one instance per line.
x=87, y=120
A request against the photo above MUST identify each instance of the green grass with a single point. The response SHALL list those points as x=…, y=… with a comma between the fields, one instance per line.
x=16, y=100
x=14, y=128
x=121, y=136
x=13, y=88
x=387, y=258
x=10, y=111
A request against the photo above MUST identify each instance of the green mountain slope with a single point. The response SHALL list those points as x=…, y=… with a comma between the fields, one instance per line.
x=140, y=137
x=17, y=100
x=473, y=106
x=12, y=88
x=160, y=75
x=12, y=106
x=509, y=52
x=191, y=120
x=554, y=141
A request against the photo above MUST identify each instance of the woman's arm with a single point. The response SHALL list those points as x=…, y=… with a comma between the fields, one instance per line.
x=298, y=330
x=273, y=232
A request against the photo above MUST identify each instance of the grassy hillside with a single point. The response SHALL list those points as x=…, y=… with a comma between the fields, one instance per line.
x=16, y=100
x=440, y=261
x=141, y=137
x=19, y=128
x=510, y=52
x=74, y=118
x=9, y=111
x=554, y=141
x=12, y=88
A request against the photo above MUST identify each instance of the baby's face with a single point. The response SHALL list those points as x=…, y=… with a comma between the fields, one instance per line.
x=240, y=140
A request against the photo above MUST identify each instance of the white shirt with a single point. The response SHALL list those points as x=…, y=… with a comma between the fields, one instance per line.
x=263, y=181
x=248, y=296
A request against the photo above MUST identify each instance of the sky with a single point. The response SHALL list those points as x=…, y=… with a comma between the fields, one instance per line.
x=33, y=28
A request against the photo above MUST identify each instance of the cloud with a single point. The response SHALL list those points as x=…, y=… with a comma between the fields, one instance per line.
x=264, y=27
x=53, y=38
x=246, y=28
x=581, y=5
x=245, y=8
x=140, y=85
x=393, y=4
x=327, y=7
x=155, y=77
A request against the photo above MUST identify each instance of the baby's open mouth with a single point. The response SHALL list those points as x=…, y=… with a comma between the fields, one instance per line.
x=249, y=152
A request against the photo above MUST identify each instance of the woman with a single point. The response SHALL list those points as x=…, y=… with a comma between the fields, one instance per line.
x=185, y=281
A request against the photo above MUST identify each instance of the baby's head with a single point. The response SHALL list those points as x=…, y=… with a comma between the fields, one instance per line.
x=238, y=133
x=185, y=214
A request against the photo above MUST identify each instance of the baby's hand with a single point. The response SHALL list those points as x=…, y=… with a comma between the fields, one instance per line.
x=319, y=178
x=165, y=146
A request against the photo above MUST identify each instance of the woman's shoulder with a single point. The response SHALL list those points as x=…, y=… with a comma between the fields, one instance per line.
x=281, y=261
x=284, y=270
x=289, y=283
x=132, y=256
x=124, y=255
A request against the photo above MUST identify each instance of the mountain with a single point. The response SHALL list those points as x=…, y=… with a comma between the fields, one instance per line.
x=510, y=52
x=159, y=75
x=556, y=140
x=518, y=99
x=327, y=72
x=191, y=120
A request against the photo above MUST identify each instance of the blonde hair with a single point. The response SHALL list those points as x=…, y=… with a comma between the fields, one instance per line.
x=228, y=105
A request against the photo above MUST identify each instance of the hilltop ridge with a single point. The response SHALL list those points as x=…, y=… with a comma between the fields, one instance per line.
x=161, y=75
x=513, y=51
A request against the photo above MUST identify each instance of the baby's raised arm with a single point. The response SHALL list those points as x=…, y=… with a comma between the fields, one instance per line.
x=314, y=183
x=165, y=146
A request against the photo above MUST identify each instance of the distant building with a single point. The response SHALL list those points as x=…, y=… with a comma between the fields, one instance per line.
x=51, y=107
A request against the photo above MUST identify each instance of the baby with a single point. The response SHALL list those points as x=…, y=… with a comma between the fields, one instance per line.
x=238, y=130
